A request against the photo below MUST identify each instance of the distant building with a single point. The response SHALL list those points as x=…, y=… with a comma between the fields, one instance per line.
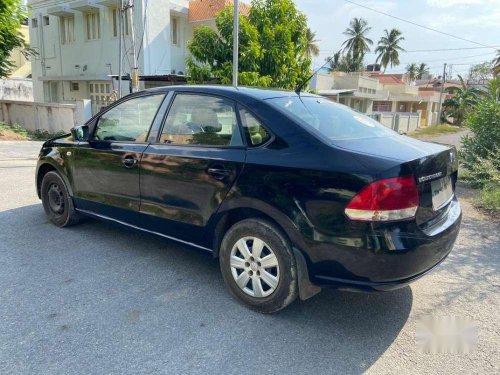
x=374, y=92
x=373, y=68
x=77, y=42
x=22, y=66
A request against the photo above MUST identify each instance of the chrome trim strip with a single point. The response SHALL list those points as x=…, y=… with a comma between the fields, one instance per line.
x=142, y=229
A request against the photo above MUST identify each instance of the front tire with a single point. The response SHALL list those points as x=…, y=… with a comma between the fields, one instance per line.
x=57, y=202
x=258, y=266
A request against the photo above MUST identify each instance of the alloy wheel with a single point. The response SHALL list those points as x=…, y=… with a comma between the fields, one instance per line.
x=254, y=267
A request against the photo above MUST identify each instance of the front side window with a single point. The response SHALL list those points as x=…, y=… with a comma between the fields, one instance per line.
x=92, y=26
x=331, y=121
x=201, y=120
x=128, y=121
x=255, y=133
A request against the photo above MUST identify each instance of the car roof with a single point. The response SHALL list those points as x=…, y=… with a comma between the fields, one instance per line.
x=239, y=92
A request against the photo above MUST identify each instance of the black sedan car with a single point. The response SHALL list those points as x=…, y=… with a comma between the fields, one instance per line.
x=291, y=192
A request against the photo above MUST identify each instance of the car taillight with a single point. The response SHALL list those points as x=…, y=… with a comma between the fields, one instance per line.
x=385, y=200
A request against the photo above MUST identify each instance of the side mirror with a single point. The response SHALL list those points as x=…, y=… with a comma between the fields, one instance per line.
x=80, y=133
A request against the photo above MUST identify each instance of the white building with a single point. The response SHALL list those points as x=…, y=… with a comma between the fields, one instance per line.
x=77, y=42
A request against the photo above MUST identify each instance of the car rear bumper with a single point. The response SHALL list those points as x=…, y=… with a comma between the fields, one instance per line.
x=387, y=257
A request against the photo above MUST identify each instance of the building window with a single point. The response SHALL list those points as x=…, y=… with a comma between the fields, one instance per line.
x=99, y=95
x=174, y=22
x=74, y=86
x=92, y=26
x=67, y=30
x=115, y=15
x=379, y=106
x=46, y=21
x=34, y=22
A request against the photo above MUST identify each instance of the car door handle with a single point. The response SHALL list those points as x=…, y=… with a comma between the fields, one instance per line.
x=218, y=173
x=129, y=161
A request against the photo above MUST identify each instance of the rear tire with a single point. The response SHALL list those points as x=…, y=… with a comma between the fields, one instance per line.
x=56, y=201
x=258, y=266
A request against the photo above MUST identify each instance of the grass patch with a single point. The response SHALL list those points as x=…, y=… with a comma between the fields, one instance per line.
x=436, y=130
x=489, y=199
x=487, y=194
x=17, y=133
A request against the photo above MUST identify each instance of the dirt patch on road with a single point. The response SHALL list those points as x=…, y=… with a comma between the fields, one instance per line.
x=9, y=135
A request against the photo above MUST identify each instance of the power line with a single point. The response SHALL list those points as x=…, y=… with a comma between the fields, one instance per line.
x=431, y=50
x=416, y=24
x=449, y=49
x=454, y=58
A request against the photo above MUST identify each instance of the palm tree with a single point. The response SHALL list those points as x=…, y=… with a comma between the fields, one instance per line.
x=422, y=70
x=463, y=99
x=388, y=48
x=341, y=62
x=358, y=43
x=496, y=64
x=311, y=43
x=412, y=71
x=334, y=62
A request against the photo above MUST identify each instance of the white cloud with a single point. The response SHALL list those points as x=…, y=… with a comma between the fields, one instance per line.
x=451, y=3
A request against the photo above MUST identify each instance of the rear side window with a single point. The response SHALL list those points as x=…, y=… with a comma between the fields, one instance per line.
x=128, y=121
x=329, y=120
x=201, y=120
x=255, y=133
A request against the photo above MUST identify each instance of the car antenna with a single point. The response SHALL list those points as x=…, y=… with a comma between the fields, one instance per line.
x=302, y=84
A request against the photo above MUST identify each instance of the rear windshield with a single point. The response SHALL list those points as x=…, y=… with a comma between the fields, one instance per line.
x=332, y=121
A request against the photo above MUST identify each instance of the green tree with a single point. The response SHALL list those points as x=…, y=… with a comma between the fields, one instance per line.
x=212, y=52
x=481, y=147
x=389, y=47
x=312, y=43
x=422, y=70
x=282, y=33
x=412, y=71
x=492, y=90
x=12, y=14
x=272, y=47
x=463, y=99
x=358, y=43
x=480, y=73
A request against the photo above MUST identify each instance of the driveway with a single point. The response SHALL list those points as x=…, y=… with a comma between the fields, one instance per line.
x=100, y=299
x=454, y=139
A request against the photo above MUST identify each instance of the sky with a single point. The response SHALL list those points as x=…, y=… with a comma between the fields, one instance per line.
x=476, y=20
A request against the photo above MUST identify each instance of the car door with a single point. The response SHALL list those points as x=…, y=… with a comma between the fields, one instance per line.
x=186, y=174
x=106, y=169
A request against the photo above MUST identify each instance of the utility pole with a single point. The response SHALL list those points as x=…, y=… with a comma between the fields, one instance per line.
x=235, y=44
x=135, y=68
x=441, y=94
x=120, y=39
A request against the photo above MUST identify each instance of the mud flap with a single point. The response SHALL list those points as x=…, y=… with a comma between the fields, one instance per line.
x=306, y=288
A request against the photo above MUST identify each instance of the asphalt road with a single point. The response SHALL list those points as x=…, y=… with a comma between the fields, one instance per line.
x=100, y=299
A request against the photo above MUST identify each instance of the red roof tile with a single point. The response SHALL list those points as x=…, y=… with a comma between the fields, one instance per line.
x=389, y=79
x=200, y=10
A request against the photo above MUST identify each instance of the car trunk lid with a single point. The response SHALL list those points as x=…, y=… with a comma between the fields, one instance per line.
x=433, y=165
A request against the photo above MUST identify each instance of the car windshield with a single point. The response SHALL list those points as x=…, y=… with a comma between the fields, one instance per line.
x=330, y=120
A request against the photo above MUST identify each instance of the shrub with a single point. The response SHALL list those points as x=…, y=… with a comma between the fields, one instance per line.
x=482, y=145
